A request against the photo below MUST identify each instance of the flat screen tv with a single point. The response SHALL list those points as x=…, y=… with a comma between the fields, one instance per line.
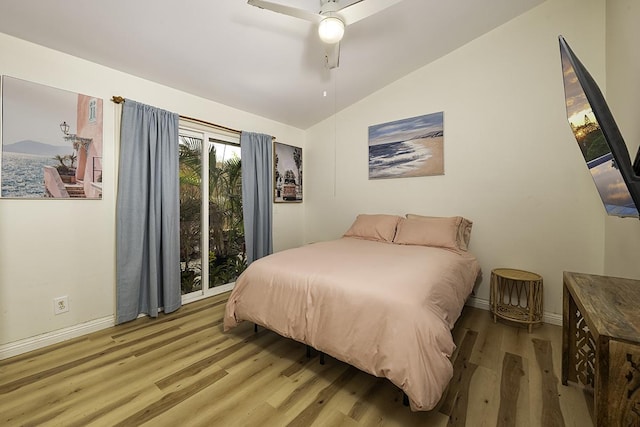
x=599, y=139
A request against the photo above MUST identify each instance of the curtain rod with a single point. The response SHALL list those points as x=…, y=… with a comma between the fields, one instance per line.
x=120, y=100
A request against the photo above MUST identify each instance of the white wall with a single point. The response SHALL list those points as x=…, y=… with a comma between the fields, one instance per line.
x=622, y=235
x=38, y=259
x=511, y=163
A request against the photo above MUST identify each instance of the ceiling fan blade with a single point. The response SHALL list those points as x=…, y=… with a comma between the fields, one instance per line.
x=287, y=10
x=363, y=9
x=332, y=55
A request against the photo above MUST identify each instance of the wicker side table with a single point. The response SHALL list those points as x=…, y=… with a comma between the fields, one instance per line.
x=516, y=295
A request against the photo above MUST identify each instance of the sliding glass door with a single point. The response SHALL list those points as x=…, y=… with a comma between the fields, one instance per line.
x=190, y=211
x=210, y=212
x=227, y=256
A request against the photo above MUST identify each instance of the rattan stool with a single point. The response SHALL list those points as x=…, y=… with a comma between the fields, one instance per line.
x=516, y=295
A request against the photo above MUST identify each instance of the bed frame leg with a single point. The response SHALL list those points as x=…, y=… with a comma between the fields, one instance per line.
x=255, y=327
x=405, y=399
x=309, y=355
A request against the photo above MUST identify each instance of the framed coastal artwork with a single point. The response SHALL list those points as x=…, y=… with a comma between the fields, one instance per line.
x=407, y=148
x=51, y=143
x=287, y=173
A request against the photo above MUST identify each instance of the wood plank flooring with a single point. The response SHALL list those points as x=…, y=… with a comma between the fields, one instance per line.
x=181, y=369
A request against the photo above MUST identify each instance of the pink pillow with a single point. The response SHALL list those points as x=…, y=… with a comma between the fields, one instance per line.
x=437, y=232
x=464, y=228
x=442, y=239
x=381, y=228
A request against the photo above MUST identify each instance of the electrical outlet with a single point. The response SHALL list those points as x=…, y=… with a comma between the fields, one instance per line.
x=60, y=305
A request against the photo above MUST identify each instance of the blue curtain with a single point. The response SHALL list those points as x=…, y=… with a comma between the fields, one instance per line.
x=147, y=213
x=256, y=151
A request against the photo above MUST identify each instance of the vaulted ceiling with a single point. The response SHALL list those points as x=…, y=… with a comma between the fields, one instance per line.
x=252, y=59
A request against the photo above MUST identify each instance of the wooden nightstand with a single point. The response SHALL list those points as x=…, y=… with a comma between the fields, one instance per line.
x=516, y=295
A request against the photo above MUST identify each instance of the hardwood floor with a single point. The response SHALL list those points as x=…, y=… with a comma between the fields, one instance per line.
x=182, y=370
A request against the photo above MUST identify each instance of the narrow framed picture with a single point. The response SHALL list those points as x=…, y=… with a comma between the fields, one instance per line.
x=51, y=142
x=287, y=173
x=407, y=148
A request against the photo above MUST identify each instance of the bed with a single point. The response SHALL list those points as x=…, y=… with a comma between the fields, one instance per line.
x=379, y=298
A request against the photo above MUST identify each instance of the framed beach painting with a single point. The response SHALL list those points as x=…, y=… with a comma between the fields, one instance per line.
x=51, y=142
x=407, y=148
x=287, y=173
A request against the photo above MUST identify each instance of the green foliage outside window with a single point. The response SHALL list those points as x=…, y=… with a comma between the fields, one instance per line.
x=227, y=256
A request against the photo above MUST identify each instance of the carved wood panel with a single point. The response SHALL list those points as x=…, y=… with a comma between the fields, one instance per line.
x=585, y=356
x=624, y=384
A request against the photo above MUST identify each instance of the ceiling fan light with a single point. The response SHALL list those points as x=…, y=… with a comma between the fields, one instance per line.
x=331, y=30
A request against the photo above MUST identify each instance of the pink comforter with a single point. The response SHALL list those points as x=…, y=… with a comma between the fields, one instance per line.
x=386, y=309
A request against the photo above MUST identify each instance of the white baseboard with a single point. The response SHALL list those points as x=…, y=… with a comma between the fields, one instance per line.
x=33, y=343
x=480, y=303
x=483, y=304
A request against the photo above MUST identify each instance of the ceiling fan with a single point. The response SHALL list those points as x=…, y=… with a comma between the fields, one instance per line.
x=332, y=19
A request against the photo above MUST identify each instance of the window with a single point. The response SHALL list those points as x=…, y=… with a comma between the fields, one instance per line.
x=213, y=221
